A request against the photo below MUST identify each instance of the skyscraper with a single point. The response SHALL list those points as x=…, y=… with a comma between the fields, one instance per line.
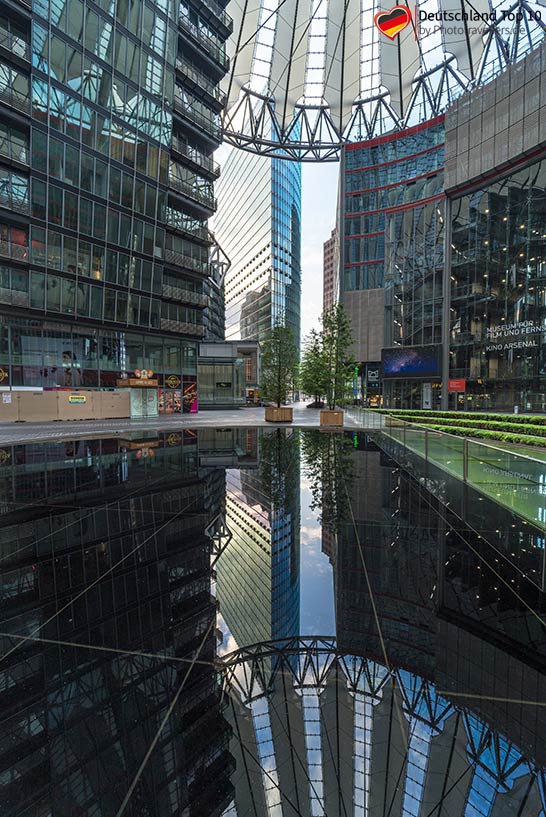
x=110, y=116
x=259, y=228
x=329, y=272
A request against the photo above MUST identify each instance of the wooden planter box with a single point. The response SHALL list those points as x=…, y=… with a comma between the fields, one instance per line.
x=278, y=415
x=331, y=418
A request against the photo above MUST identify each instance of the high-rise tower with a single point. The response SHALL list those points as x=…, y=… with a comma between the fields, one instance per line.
x=259, y=228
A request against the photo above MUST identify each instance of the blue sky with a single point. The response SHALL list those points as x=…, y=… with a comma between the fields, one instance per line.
x=319, y=202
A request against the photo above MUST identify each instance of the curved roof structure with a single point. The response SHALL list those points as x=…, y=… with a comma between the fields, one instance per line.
x=307, y=75
x=317, y=732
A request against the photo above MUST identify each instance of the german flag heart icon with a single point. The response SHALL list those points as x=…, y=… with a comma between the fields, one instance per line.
x=394, y=21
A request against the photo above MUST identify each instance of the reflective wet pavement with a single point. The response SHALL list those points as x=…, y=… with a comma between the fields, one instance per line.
x=233, y=621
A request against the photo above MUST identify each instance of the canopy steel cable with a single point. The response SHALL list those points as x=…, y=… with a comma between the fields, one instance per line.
x=164, y=722
x=117, y=650
x=5, y=655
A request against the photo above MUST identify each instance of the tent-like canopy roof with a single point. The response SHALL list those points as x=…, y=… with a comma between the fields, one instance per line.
x=306, y=75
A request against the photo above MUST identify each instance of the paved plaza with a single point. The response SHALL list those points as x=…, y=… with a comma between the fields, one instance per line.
x=11, y=433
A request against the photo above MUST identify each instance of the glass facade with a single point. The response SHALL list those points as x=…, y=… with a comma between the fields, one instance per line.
x=110, y=117
x=260, y=568
x=498, y=293
x=119, y=603
x=259, y=228
x=393, y=224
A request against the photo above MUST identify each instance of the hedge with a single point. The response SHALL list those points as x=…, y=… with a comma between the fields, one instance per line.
x=515, y=428
x=499, y=436
x=474, y=415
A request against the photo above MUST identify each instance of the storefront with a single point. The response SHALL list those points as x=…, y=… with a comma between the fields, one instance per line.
x=498, y=294
x=52, y=356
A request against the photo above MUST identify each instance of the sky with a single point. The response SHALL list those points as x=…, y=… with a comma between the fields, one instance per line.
x=319, y=202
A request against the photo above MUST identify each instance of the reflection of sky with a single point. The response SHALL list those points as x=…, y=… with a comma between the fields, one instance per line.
x=317, y=613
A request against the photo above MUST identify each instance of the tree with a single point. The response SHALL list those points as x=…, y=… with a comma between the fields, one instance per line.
x=336, y=340
x=312, y=370
x=280, y=468
x=279, y=364
x=328, y=465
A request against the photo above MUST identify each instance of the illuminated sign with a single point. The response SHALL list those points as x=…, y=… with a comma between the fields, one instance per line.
x=411, y=362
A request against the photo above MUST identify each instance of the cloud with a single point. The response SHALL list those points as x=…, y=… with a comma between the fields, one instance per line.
x=319, y=205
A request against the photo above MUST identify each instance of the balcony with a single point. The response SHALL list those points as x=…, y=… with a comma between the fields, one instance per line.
x=14, y=44
x=196, y=157
x=200, y=80
x=202, y=197
x=15, y=251
x=14, y=202
x=185, y=296
x=186, y=262
x=209, y=125
x=17, y=153
x=212, y=49
x=181, y=223
x=183, y=328
x=214, y=12
x=11, y=97
x=13, y=297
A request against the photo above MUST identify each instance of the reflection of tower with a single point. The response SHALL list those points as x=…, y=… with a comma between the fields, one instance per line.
x=258, y=573
x=83, y=718
x=393, y=530
x=349, y=728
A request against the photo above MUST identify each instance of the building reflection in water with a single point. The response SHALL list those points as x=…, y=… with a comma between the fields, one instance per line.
x=258, y=573
x=430, y=701
x=103, y=544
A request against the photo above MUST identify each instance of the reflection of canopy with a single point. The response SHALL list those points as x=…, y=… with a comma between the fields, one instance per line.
x=89, y=86
x=355, y=737
x=305, y=74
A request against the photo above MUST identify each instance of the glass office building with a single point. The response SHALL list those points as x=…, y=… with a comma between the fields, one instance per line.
x=497, y=257
x=392, y=255
x=443, y=259
x=259, y=228
x=260, y=567
x=110, y=116
x=77, y=720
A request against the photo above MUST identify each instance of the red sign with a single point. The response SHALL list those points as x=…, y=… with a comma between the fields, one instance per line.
x=456, y=385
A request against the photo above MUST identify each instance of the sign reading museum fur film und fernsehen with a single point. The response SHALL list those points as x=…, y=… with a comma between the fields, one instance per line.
x=517, y=335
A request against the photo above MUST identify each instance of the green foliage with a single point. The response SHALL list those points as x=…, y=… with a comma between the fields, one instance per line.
x=336, y=340
x=312, y=378
x=500, y=436
x=279, y=364
x=519, y=419
x=327, y=463
x=280, y=468
x=510, y=428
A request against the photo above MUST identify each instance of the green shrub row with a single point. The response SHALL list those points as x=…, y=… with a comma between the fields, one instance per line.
x=500, y=436
x=514, y=428
x=474, y=415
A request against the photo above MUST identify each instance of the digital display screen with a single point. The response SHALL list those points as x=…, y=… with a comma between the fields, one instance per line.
x=411, y=361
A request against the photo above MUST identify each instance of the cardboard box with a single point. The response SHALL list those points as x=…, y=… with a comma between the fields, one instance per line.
x=115, y=404
x=9, y=407
x=38, y=406
x=78, y=405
